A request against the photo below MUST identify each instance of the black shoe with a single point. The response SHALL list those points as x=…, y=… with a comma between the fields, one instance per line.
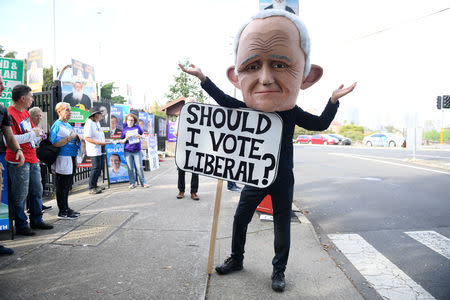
x=95, y=191
x=44, y=207
x=67, y=216
x=25, y=231
x=229, y=265
x=101, y=188
x=73, y=212
x=6, y=251
x=278, y=283
x=42, y=225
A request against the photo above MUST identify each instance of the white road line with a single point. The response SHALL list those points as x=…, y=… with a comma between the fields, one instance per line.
x=432, y=240
x=390, y=163
x=388, y=280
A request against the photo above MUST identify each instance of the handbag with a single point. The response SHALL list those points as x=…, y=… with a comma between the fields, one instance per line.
x=47, y=153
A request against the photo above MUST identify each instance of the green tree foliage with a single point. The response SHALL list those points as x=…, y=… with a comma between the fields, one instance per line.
x=435, y=136
x=48, y=76
x=355, y=132
x=11, y=54
x=185, y=86
x=155, y=110
x=107, y=90
x=118, y=100
x=2, y=50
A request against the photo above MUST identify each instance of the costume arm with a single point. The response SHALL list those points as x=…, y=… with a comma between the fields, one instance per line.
x=219, y=96
x=313, y=122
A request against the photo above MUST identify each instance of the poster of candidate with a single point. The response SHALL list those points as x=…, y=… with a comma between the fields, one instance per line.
x=35, y=72
x=4, y=215
x=12, y=74
x=117, y=166
x=151, y=124
x=161, y=127
x=172, y=128
x=116, y=121
x=143, y=121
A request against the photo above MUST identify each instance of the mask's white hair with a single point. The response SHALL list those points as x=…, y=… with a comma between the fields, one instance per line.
x=305, y=43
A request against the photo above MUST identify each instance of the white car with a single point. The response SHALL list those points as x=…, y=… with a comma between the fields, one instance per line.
x=383, y=140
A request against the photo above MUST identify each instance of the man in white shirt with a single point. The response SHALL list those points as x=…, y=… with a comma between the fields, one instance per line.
x=95, y=139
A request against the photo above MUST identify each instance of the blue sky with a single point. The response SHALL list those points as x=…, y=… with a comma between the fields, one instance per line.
x=396, y=50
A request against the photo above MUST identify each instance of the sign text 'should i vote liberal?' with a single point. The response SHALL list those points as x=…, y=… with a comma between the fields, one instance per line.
x=240, y=145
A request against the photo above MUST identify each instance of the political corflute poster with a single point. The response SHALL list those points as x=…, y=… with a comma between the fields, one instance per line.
x=240, y=145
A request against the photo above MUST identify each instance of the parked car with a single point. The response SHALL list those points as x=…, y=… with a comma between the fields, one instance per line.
x=383, y=140
x=342, y=139
x=303, y=139
x=324, y=139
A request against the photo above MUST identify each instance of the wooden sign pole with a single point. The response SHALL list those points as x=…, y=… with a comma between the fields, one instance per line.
x=212, y=242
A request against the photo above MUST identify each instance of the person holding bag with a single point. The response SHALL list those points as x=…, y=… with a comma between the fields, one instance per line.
x=64, y=137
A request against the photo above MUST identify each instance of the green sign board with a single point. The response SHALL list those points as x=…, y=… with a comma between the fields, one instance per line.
x=12, y=74
x=78, y=115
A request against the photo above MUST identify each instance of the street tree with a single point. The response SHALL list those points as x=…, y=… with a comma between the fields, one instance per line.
x=185, y=85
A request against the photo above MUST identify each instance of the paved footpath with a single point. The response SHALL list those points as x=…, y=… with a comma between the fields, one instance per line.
x=146, y=244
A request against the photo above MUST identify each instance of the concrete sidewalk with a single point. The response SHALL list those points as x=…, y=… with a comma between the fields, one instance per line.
x=146, y=244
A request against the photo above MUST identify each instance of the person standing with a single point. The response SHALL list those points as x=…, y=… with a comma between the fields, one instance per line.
x=25, y=179
x=6, y=132
x=64, y=137
x=36, y=118
x=95, y=139
x=131, y=137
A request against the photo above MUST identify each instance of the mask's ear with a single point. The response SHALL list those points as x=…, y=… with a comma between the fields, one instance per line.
x=314, y=75
x=232, y=77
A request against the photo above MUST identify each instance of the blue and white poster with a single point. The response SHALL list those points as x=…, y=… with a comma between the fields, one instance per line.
x=171, y=136
x=143, y=120
x=116, y=123
x=4, y=215
x=151, y=124
x=117, y=166
x=153, y=157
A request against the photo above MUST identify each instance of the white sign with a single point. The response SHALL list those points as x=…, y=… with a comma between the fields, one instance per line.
x=240, y=145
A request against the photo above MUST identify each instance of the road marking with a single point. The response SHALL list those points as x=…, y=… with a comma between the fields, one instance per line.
x=432, y=240
x=385, y=277
x=389, y=163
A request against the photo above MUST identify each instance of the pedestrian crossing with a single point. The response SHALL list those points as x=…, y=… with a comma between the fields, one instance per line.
x=384, y=276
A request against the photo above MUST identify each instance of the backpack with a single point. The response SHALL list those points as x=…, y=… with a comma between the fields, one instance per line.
x=47, y=153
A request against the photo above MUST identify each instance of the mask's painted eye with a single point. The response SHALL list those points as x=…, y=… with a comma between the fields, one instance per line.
x=279, y=65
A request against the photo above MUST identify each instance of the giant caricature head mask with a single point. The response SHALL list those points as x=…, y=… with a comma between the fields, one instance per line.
x=272, y=61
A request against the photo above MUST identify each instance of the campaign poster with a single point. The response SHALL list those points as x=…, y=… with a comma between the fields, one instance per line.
x=84, y=73
x=143, y=121
x=125, y=108
x=117, y=166
x=153, y=152
x=105, y=109
x=161, y=127
x=35, y=71
x=4, y=214
x=172, y=128
x=83, y=161
x=288, y=5
x=151, y=124
x=12, y=74
x=116, y=121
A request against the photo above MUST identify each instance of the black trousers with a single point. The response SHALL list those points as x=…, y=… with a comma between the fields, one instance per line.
x=181, y=181
x=63, y=185
x=281, y=192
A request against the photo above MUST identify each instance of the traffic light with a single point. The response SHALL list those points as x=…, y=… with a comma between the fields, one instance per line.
x=446, y=101
x=438, y=102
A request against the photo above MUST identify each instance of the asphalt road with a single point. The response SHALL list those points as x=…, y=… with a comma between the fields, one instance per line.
x=384, y=219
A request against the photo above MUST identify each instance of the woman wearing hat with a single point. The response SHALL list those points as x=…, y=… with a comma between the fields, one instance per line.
x=63, y=136
x=95, y=139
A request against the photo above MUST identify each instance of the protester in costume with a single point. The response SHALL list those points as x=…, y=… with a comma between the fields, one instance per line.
x=272, y=64
x=131, y=137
